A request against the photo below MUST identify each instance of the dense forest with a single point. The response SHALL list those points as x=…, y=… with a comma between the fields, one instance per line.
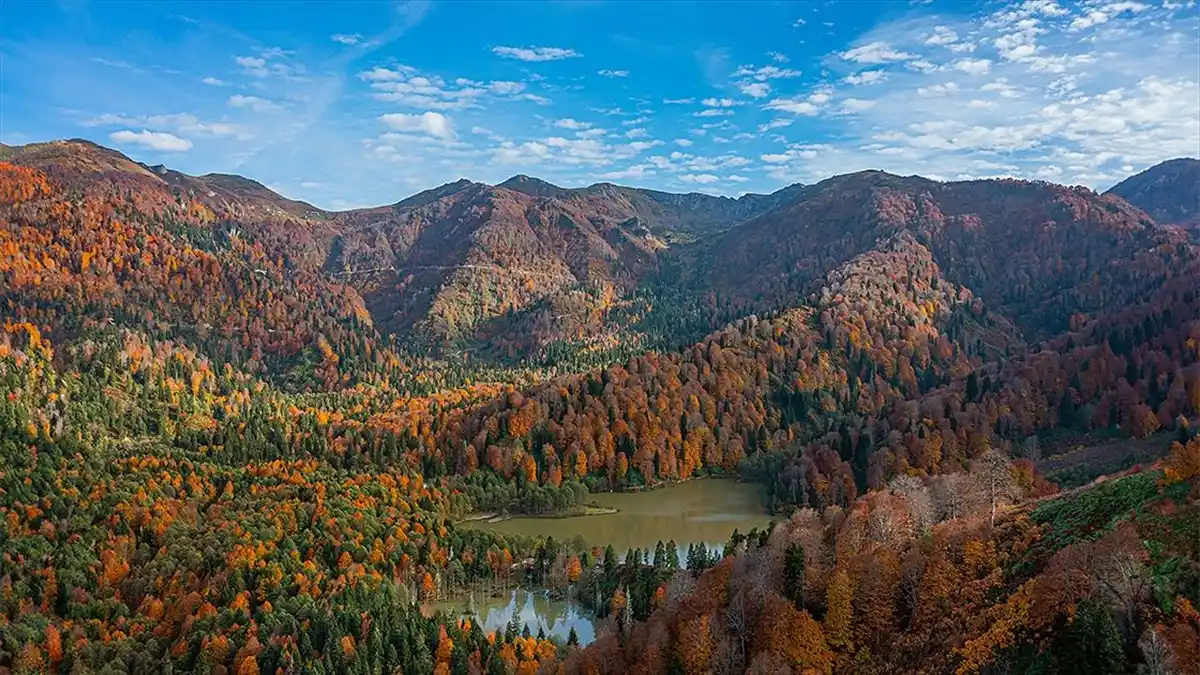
x=224, y=450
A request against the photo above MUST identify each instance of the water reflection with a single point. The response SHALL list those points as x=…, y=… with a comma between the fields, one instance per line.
x=532, y=608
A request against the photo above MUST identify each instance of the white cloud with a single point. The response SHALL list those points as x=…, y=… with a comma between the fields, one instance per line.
x=154, y=140
x=1092, y=18
x=714, y=112
x=253, y=103
x=346, y=39
x=613, y=73
x=590, y=151
x=866, y=77
x=535, y=53
x=778, y=57
x=755, y=89
x=766, y=73
x=639, y=146
x=406, y=86
x=875, y=53
x=683, y=142
x=212, y=81
x=942, y=36
x=700, y=178
x=678, y=101
x=569, y=123
x=774, y=124
x=854, y=105
x=506, y=88
x=719, y=102
x=431, y=123
x=379, y=74
x=636, y=132
x=635, y=171
x=792, y=105
x=269, y=62
x=973, y=66
x=940, y=89
x=185, y=124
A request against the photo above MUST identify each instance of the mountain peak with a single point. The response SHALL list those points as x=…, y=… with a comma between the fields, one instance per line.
x=433, y=194
x=534, y=187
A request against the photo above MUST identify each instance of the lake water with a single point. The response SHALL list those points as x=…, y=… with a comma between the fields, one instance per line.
x=696, y=511
x=532, y=608
x=693, y=512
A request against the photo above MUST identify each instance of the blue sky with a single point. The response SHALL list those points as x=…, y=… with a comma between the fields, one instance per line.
x=363, y=103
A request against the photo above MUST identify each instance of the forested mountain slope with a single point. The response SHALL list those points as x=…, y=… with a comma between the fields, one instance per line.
x=919, y=578
x=1169, y=192
x=1036, y=252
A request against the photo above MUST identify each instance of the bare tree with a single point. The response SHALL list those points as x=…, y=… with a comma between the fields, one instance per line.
x=737, y=620
x=950, y=495
x=1118, y=565
x=918, y=499
x=888, y=519
x=1158, y=655
x=912, y=575
x=993, y=477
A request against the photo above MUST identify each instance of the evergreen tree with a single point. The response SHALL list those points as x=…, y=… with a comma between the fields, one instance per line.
x=660, y=556
x=1090, y=644
x=795, y=583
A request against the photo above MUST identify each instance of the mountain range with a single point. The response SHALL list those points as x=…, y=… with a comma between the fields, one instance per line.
x=525, y=264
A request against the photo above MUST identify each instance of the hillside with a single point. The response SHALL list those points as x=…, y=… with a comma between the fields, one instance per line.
x=85, y=165
x=1035, y=252
x=1169, y=192
x=523, y=264
x=467, y=260
x=917, y=578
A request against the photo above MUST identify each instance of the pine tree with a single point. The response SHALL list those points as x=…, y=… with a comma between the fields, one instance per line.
x=795, y=582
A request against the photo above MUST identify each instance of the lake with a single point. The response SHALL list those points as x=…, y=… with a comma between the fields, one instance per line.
x=531, y=607
x=696, y=511
x=693, y=512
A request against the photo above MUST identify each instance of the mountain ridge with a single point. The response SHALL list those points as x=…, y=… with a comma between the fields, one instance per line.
x=1169, y=191
x=526, y=263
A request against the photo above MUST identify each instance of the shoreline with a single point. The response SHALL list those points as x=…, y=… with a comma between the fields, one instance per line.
x=578, y=512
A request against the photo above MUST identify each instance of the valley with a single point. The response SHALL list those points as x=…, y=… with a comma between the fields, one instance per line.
x=237, y=429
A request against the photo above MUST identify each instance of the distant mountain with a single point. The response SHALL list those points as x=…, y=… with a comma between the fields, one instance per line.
x=455, y=261
x=86, y=165
x=671, y=215
x=1169, y=192
x=443, y=263
x=526, y=263
x=1031, y=250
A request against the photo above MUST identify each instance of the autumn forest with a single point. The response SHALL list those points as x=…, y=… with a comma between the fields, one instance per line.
x=240, y=434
